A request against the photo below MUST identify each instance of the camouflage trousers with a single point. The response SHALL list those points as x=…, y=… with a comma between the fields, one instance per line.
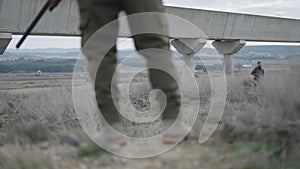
x=97, y=13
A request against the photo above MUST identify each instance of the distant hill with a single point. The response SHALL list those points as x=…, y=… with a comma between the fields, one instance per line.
x=11, y=54
x=63, y=60
x=248, y=52
x=270, y=52
x=32, y=65
x=44, y=50
x=272, y=48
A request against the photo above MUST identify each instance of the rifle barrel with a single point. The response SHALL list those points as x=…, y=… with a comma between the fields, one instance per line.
x=34, y=22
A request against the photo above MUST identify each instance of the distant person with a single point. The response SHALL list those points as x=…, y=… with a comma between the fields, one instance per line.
x=97, y=13
x=258, y=72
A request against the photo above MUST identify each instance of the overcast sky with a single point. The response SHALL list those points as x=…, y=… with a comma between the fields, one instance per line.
x=279, y=8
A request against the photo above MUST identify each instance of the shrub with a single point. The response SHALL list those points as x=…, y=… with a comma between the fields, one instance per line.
x=91, y=150
x=26, y=134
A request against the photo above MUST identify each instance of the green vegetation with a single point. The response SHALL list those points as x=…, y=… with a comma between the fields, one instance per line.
x=31, y=65
x=91, y=150
x=257, y=151
x=25, y=134
x=256, y=146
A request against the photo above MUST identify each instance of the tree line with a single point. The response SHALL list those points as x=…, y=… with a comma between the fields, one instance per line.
x=32, y=65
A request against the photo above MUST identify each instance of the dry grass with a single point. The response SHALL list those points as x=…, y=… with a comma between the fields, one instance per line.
x=25, y=134
x=51, y=107
x=272, y=106
x=12, y=159
x=268, y=113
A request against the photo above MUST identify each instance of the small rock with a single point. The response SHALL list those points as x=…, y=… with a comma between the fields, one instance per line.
x=196, y=162
x=105, y=160
x=71, y=140
x=96, y=163
x=44, y=145
x=82, y=166
x=123, y=160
